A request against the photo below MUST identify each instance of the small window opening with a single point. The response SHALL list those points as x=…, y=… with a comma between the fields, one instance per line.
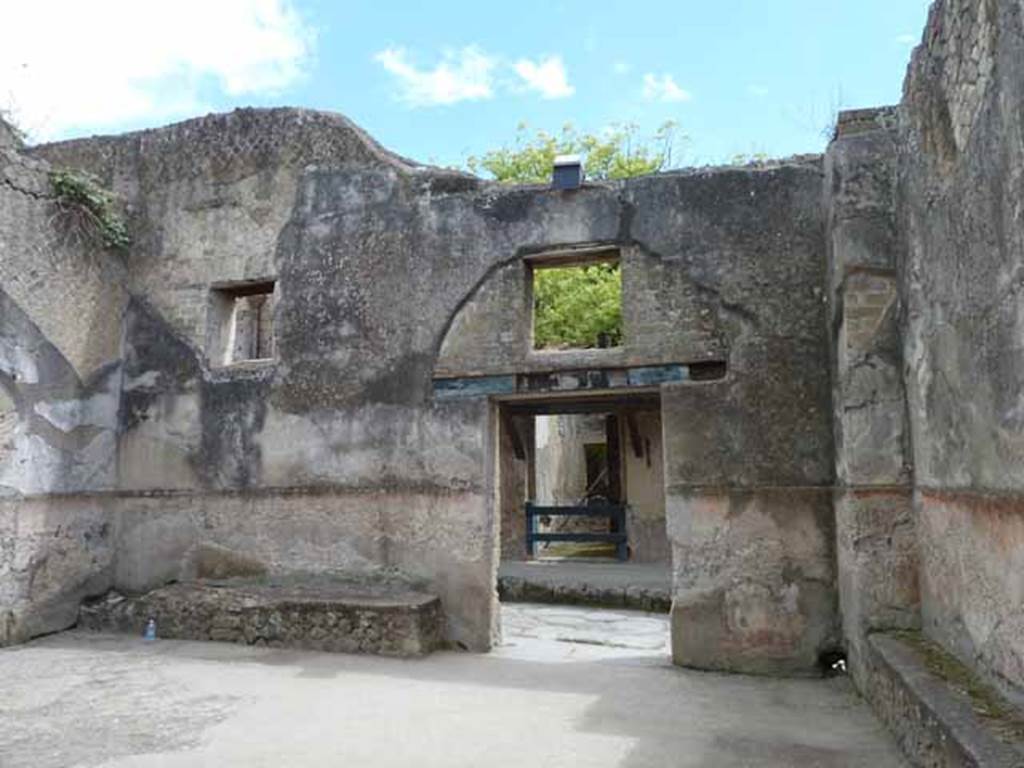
x=242, y=323
x=577, y=305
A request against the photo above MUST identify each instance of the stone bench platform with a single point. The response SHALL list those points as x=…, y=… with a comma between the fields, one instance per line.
x=331, y=617
x=941, y=714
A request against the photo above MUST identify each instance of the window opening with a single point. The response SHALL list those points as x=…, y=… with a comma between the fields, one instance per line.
x=577, y=305
x=242, y=323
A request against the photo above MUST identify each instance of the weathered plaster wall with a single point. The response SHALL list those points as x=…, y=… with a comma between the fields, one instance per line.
x=561, y=462
x=754, y=579
x=962, y=280
x=61, y=302
x=875, y=533
x=348, y=405
x=375, y=478
x=645, y=490
x=667, y=314
x=336, y=456
x=870, y=318
x=748, y=459
x=54, y=552
x=514, y=484
x=725, y=265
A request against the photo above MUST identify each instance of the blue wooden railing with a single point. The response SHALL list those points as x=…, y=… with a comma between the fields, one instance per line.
x=614, y=513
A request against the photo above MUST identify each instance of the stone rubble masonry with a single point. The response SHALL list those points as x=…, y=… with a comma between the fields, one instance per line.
x=312, y=615
x=520, y=587
x=936, y=721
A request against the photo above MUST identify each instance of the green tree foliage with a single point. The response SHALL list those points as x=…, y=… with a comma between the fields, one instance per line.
x=579, y=306
x=749, y=158
x=616, y=154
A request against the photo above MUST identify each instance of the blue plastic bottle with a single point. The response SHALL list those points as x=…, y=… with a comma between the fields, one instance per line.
x=150, y=633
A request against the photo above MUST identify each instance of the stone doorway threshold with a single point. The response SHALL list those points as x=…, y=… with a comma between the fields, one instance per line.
x=607, y=583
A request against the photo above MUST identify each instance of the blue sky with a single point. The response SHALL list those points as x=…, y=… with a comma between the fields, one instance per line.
x=439, y=80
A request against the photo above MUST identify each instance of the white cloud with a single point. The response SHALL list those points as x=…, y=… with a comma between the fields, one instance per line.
x=663, y=88
x=86, y=65
x=463, y=75
x=547, y=77
x=906, y=39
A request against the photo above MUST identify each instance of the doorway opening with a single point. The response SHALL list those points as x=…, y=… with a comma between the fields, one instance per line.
x=581, y=493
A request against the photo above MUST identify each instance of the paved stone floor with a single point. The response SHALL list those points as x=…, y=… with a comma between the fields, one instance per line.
x=536, y=628
x=555, y=694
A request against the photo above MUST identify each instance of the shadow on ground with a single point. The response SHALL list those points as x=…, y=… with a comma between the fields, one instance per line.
x=83, y=699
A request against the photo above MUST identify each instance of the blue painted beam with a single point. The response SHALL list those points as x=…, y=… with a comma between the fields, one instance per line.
x=474, y=386
x=589, y=379
x=657, y=374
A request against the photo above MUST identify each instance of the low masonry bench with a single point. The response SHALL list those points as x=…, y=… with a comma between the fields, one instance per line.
x=941, y=713
x=334, y=617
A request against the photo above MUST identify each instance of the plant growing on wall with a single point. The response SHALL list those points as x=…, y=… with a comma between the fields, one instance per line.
x=88, y=210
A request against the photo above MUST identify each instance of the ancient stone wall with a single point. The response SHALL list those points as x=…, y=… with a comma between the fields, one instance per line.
x=645, y=490
x=336, y=455
x=61, y=304
x=723, y=266
x=748, y=457
x=876, y=542
x=328, y=457
x=836, y=350
x=961, y=206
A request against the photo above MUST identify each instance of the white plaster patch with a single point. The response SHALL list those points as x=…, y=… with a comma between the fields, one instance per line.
x=791, y=598
x=100, y=410
x=35, y=466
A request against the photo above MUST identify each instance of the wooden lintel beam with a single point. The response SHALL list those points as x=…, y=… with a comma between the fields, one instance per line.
x=591, y=405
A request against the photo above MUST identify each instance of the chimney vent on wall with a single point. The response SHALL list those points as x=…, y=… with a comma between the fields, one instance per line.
x=568, y=172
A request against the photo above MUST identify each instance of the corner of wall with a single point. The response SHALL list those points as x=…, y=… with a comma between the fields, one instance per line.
x=876, y=544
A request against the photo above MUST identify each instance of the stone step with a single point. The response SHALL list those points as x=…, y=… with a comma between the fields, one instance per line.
x=941, y=714
x=321, y=617
x=605, y=585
